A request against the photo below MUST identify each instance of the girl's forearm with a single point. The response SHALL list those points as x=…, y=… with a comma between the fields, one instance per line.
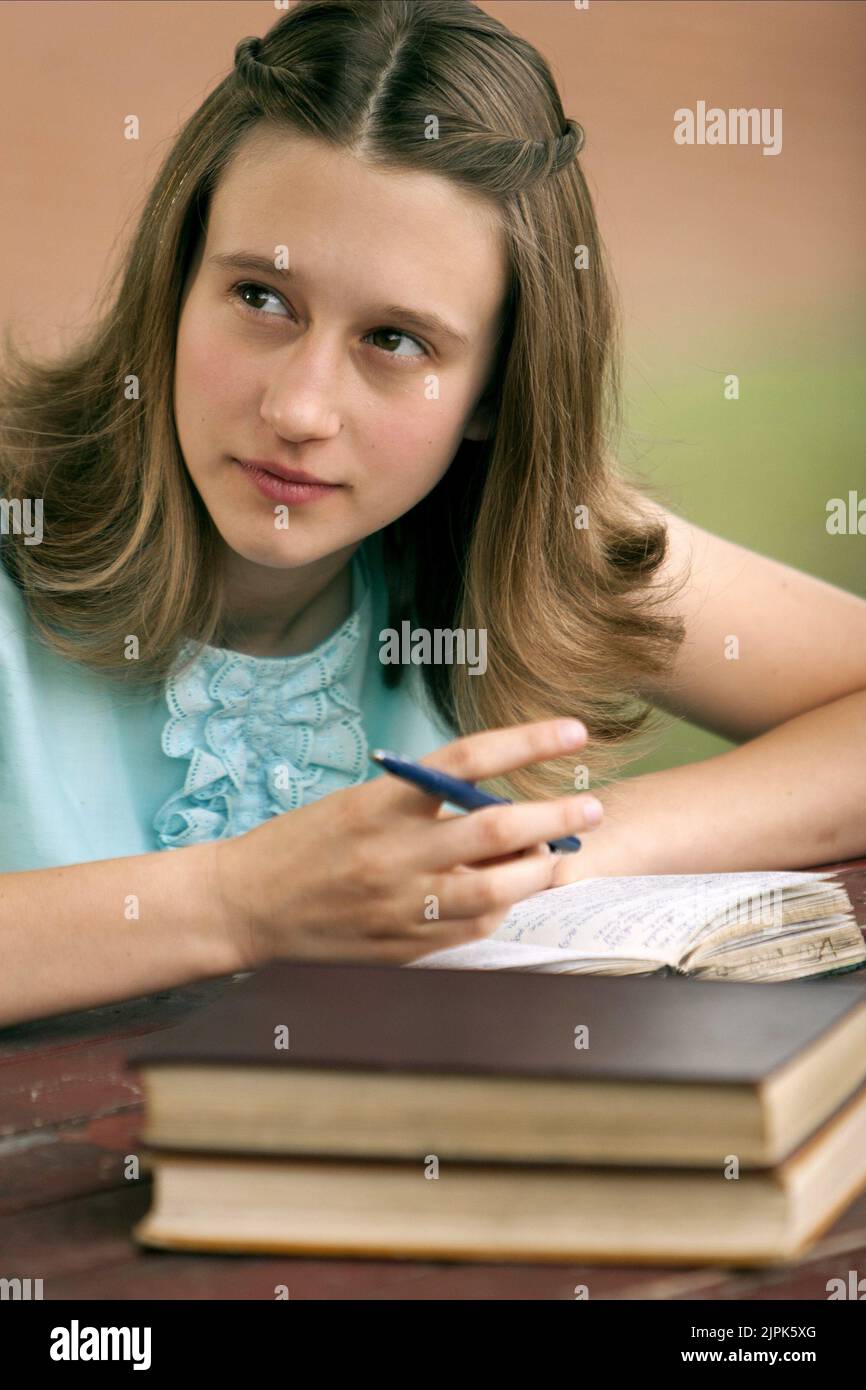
x=79, y=935
x=792, y=798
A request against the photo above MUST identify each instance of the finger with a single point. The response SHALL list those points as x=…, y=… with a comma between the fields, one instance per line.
x=496, y=889
x=488, y=754
x=541, y=848
x=475, y=757
x=442, y=814
x=480, y=894
x=495, y=831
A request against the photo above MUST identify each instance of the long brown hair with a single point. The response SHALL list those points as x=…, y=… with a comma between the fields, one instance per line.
x=571, y=620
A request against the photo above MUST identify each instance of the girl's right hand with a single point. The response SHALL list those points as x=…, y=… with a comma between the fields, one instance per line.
x=378, y=873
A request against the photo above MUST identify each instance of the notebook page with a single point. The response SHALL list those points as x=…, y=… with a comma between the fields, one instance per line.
x=490, y=954
x=654, y=918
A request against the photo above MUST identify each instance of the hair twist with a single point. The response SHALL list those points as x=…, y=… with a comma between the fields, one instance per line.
x=247, y=60
x=569, y=143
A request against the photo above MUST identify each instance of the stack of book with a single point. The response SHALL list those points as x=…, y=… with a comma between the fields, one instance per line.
x=517, y=1114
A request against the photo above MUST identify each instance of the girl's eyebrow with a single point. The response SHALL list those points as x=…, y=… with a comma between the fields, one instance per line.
x=425, y=322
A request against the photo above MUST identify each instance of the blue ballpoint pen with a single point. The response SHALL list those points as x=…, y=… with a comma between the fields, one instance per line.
x=452, y=789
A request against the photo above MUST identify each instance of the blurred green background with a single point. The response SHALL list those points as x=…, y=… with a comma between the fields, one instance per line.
x=759, y=470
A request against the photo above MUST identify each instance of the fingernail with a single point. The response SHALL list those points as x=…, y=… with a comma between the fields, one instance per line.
x=570, y=731
x=592, y=810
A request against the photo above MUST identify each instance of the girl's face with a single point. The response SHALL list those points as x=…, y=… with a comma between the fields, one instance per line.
x=318, y=369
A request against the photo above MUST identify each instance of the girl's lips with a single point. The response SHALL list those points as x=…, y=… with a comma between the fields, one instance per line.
x=279, y=490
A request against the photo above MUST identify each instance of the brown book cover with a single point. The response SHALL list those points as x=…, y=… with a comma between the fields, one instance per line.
x=515, y=1023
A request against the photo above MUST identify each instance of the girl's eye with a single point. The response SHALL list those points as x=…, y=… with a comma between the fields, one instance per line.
x=254, y=290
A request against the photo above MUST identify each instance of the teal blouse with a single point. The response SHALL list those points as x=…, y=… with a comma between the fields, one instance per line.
x=91, y=770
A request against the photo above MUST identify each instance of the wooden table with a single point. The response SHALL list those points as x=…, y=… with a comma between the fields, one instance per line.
x=70, y=1113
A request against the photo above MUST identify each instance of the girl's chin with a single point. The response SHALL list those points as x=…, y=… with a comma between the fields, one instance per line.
x=273, y=549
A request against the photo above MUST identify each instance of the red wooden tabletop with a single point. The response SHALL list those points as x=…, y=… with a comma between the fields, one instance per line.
x=70, y=1114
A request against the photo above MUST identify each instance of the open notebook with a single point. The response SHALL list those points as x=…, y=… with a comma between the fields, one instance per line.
x=740, y=926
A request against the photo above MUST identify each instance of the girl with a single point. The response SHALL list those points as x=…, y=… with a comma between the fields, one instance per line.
x=355, y=382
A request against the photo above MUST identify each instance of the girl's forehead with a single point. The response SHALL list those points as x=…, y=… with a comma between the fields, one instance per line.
x=413, y=235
